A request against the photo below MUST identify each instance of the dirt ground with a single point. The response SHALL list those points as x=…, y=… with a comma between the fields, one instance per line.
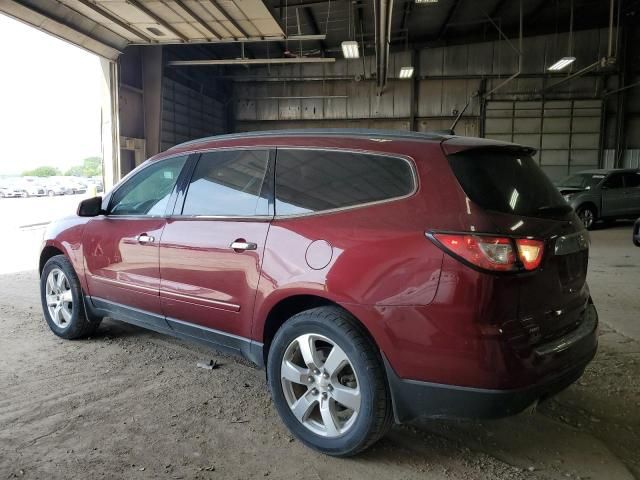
x=132, y=404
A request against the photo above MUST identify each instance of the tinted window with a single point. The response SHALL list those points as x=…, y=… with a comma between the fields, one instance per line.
x=632, y=180
x=148, y=191
x=614, y=181
x=315, y=180
x=507, y=182
x=585, y=181
x=228, y=183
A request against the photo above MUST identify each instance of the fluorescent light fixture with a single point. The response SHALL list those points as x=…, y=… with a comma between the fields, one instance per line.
x=406, y=72
x=427, y=1
x=350, y=49
x=562, y=63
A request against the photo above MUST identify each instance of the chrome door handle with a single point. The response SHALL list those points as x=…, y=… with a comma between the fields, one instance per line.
x=144, y=238
x=242, y=246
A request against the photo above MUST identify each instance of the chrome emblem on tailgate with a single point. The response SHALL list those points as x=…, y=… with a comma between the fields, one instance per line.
x=573, y=243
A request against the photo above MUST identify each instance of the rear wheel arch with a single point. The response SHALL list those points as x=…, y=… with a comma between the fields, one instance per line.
x=292, y=305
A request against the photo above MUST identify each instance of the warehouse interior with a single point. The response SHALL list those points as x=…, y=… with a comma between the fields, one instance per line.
x=179, y=70
x=561, y=76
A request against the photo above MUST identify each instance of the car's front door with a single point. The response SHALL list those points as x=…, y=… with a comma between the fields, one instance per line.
x=121, y=247
x=613, y=196
x=212, y=246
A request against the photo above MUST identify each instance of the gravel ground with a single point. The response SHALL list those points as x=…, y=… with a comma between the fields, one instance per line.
x=132, y=404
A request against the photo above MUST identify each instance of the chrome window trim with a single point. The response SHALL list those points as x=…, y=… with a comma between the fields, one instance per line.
x=409, y=160
x=238, y=218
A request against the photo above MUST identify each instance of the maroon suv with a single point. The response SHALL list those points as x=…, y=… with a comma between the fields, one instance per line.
x=377, y=275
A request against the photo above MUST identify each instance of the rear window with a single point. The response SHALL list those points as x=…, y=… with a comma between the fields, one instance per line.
x=507, y=182
x=310, y=181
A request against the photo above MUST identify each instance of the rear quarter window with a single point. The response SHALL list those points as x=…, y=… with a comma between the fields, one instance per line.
x=309, y=181
x=508, y=182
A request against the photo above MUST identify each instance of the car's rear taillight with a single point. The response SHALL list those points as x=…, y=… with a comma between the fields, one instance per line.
x=530, y=252
x=493, y=253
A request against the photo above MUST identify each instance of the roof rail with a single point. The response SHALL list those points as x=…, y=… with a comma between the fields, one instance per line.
x=357, y=132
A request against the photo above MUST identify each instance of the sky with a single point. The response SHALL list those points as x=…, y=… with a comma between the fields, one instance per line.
x=49, y=100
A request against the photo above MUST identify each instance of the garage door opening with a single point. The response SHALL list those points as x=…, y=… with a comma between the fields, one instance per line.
x=50, y=126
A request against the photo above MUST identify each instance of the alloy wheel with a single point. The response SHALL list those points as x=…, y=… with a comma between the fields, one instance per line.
x=586, y=216
x=320, y=385
x=59, y=298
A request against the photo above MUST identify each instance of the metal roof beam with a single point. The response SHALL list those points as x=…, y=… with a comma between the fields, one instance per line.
x=157, y=19
x=445, y=24
x=228, y=18
x=198, y=19
x=104, y=13
x=249, y=61
x=292, y=38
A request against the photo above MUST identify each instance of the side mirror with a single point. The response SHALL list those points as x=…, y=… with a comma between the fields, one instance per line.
x=91, y=207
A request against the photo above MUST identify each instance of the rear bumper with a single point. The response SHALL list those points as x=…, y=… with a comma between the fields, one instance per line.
x=412, y=398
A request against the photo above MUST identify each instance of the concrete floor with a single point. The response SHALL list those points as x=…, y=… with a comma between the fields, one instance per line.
x=131, y=404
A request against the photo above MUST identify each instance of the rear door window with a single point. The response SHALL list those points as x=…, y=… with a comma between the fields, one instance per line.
x=507, y=181
x=614, y=181
x=309, y=181
x=228, y=183
x=632, y=180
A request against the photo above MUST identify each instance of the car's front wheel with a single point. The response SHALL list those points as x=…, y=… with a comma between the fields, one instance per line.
x=328, y=382
x=587, y=215
x=62, y=301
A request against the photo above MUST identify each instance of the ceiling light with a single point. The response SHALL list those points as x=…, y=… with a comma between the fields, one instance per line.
x=426, y=1
x=562, y=63
x=406, y=72
x=350, y=49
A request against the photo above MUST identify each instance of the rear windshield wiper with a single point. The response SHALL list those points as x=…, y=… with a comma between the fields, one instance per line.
x=554, y=209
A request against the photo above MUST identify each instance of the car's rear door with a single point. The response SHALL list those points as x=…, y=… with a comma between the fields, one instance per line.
x=121, y=247
x=613, y=196
x=212, y=246
x=632, y=192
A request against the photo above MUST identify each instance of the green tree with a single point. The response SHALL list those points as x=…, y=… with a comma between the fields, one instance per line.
x=91, y=167
x=44, y=171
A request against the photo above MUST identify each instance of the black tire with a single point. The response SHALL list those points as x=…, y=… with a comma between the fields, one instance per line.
x=588, y=216
x=79, y=326
x=374, y=417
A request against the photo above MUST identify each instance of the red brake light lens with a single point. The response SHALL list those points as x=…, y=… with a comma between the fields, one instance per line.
x=491, y=253
x=494, y=253
x=530, y=252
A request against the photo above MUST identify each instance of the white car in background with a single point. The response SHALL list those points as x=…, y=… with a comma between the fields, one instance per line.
x=54, y=188
x=29, y=187
x=8, y=191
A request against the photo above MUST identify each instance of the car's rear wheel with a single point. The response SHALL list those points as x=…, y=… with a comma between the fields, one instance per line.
x=328, y=382
x=587, y=215
x=62, y=301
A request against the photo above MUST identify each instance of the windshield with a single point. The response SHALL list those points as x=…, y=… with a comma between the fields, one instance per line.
x=507, y=182
x=585, y=181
